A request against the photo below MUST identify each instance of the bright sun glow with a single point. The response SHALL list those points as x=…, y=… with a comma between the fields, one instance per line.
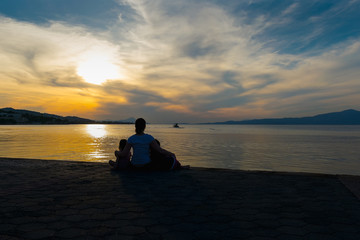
x=98, y=70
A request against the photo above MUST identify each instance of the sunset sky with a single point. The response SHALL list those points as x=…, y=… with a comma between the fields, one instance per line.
x=180, y=60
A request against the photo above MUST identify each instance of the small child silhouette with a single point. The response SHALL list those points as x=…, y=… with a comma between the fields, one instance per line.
x=121, y=163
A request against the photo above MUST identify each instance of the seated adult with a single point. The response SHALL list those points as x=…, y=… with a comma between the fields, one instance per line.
x=141, y=144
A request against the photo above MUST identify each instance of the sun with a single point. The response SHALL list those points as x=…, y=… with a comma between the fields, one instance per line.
x=97, y=70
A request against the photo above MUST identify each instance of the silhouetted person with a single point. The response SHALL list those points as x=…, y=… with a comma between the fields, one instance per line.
x=163, y=162
x=141, y=144
x=121, y=162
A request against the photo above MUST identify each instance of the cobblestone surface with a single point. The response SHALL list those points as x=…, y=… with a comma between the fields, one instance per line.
x=75, y=200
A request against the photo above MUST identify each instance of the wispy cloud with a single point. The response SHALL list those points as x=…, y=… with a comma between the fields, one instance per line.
x=190, y=61
x=290, y=9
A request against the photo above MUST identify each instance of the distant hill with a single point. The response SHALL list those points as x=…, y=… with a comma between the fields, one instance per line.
x=20, y=116
x=125, y=121
x=347, y=117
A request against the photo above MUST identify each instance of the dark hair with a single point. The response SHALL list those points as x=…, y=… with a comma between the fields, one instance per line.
x=122, y=144
x=140, y=125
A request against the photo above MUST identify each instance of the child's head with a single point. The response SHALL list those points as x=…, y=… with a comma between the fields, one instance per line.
x=122, y=144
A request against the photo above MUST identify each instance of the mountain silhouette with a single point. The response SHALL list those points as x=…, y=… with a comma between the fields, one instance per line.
x=20, y=116
x=346, y=117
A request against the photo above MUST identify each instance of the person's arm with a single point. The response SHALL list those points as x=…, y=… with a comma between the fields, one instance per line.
x=125, y=152
x=154, y=145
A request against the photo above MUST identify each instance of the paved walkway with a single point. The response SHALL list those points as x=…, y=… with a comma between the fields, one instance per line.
x=74, y=200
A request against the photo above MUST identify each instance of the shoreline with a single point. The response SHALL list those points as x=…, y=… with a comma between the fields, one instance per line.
x=66, y=161
x=351, y=182
x=42, y=199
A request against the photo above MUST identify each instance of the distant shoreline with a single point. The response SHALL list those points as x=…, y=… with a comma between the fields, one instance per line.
x=219, y=124
x=52, y=124
x=10, y=116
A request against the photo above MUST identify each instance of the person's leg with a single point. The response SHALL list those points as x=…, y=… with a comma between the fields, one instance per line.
x=177, y=165
x=158, y=162
x=122, y=163
x=185, y=167
x=168, y=163
x=112, y=163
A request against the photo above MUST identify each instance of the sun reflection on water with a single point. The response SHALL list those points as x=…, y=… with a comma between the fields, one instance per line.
x=96, y=131
x=98, y=134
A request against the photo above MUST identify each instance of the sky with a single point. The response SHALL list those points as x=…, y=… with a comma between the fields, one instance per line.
x=180, y=60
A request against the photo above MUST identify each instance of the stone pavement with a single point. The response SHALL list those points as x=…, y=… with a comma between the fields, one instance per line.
x=80, y=200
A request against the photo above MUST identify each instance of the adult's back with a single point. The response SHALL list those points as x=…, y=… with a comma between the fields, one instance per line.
x=141, y=148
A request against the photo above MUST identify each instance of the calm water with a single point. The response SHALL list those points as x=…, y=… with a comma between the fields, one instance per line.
x=317, y=149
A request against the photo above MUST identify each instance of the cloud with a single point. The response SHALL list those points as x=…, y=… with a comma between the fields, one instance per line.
x=48, y=53
x=191, y=61
x=290, y=9
x=40, y=61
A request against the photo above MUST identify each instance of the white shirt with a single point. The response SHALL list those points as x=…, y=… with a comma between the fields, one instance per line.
x=141, y=148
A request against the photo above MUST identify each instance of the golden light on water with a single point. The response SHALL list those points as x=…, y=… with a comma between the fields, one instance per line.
x=96, y=131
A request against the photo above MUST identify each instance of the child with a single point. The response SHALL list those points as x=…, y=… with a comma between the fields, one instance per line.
x=161, y=162
x=121, y=163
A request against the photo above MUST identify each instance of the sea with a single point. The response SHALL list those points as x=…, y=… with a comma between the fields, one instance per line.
x=329, y=149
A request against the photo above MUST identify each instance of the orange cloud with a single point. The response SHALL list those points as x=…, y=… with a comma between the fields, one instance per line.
x=171, y=107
